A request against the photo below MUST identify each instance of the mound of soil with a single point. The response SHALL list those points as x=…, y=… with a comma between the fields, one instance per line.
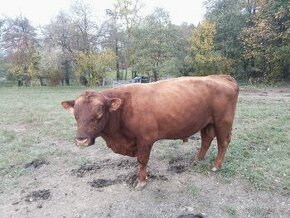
x=176, y=169
x=36, y=163
x=103, y=165
x=128, y=179
x=100, y=183
x=156, y=176
x=126, y=164
x=191, y=216
x=178, y=165
x=38, y=195
x=84, y=169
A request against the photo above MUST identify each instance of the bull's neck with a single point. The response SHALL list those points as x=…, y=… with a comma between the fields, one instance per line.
x=112, y=128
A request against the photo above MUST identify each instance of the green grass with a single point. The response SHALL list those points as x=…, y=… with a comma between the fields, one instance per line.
x=232, y=212
x=260, y=148
x=259, y=151
x=31, y=117
x=193, y=190
x=260, y=212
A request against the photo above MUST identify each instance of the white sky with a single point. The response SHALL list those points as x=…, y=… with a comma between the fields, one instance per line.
x=40, y=12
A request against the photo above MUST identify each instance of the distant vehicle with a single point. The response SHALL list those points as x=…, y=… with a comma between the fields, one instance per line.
x=140, y=79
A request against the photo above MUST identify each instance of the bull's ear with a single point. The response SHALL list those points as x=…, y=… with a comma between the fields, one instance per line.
x=68, y=105
x=115, y=104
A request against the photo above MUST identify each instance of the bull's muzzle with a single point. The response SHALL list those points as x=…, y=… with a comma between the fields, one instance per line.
x=82, y=142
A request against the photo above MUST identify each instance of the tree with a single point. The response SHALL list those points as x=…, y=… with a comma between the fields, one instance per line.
x=181, y=49
x=59, y=34
x=87, y=38
x=19, y=46
x=96, y=63
x=123, y=18
x=206, y=60
x=229, y=17
x=112, y=39
x=153, y=45
x=51, y=65
x=266, y=41
x=3, y=67
x=128, y=14
x=84, y=27
x=77, y=36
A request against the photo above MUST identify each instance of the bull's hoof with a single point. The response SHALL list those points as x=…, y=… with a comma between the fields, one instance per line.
x=214, y=169
x=194, y=161
x=139, y=185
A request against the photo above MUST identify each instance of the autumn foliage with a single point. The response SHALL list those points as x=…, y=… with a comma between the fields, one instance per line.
x=249, y=39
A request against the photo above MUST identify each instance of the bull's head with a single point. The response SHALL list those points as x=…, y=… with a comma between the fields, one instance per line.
x=91, y=111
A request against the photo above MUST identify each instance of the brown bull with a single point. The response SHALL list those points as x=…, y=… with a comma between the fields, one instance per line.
x=132, y=117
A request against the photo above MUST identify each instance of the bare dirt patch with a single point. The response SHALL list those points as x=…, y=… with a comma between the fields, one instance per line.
x=104, y=189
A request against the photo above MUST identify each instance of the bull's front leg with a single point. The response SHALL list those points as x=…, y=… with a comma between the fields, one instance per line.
x=143, y=154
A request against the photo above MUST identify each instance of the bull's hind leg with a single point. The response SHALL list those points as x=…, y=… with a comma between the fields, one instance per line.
x=207, y=135
x=223, y=133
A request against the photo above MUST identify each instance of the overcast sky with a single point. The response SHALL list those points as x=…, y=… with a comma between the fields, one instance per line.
x=41, y=11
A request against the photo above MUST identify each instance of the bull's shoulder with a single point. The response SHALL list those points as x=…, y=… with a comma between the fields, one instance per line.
x=129, y=89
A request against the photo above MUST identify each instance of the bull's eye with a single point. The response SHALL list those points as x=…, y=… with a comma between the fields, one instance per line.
x=97, y=119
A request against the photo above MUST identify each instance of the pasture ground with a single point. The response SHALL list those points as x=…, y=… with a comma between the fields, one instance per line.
x=43, y=174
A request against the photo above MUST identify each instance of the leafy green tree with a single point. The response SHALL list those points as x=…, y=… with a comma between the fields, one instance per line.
x=19, y=46
x=59, y=35
x=267, y=39
x=95, y=65
x=128, y=13
x=181, y=50
x=3, y=67
x=229, y=17
x=50, y=65
x=74, y=35
x=123, y=18
x=154, y=46
x=206, y=59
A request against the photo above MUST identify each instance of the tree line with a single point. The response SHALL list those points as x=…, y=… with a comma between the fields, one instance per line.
x=249, y=39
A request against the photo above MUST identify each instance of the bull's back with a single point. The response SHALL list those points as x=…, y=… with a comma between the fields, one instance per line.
x=177, y=108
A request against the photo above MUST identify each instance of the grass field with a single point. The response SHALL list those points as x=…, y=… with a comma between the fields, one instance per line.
x=259, y=152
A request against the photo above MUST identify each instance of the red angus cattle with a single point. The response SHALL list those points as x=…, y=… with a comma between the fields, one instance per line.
x=132, y=117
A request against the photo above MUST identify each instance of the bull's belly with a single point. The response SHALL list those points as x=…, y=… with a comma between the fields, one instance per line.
x=182, y=136
x=180, y=132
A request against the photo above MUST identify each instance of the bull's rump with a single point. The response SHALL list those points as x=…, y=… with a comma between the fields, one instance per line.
x=186, y=105
x=177, y=108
